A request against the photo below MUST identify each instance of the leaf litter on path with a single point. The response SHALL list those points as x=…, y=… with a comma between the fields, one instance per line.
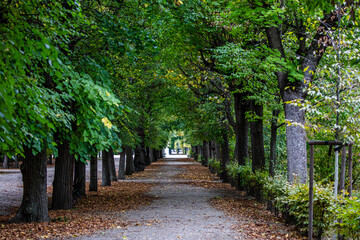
x=96, y=211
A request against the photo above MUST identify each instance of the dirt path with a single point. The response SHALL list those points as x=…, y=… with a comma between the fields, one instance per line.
x=180, y=211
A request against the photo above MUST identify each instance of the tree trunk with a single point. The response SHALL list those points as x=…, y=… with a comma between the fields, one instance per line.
x=34, y=206
x=241, y=128
x=49, y=162
x=296, y=143
x=16, y=159
x=297, y=91
x=257, y=138
x=79, y=179
x=161, y=153
x=121, y=173
x=153, y=155
x=93, y=186
x=225, y=156
x=206, y=152
x=62, y=197
x=6, y=161
x=106, y=177
x=112, y=165
x=147, y=156
x=130, y=169
x=273, y=140
x=139, y=161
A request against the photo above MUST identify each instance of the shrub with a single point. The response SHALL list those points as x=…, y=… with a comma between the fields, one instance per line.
x=215, y=164
x=348, y=211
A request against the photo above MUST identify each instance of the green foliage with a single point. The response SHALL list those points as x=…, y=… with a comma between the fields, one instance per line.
x=348, y=211
x=215, y=164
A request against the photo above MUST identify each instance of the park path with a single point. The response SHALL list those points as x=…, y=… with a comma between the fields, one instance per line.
x=179, y=211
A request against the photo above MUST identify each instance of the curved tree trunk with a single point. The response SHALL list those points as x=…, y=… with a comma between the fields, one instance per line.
x=130, y=168
x=112, y=165
x=257, y=138
x=79, y=179
x=121, y=173
x=62, y=197
x=106, y=179
x=34, y=206
x=93, y=186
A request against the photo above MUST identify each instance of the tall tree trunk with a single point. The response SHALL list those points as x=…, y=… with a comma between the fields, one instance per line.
x=106, y=177
x=241, y=128
x=16, y=159
x=6, y=161
x=79, y=179
x=139, y=161
x=153, y=155
x=206, y=152
x=161, y=153
x=112, y=165
x=121, y=173
x=62, y=197
x=297, y=91
x=225, y=156
x=147, y=156
x=93, y=186
x=34, y=206
x=130, y=168
x=273, y=140
x=257, y=138
x=296, y=143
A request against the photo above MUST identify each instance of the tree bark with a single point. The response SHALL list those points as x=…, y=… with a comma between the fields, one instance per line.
x=225, y=156
x=147, y=156
x=206, y=152
x=297, y=91
x=121, y=173
x=257, y=138
x=93, y=186
x=106, y=177
x=112, y=165
x=153, y=155
x=241, y=128
x=6, y=161
x=296, y=144
x=34, y=206
x=130, y=168
x=79, y=179
x=16, y=159
x=139, y=161
x=273, y=140
x=62, y=197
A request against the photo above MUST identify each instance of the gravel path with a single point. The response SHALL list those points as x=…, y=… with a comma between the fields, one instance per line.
x=181, y=211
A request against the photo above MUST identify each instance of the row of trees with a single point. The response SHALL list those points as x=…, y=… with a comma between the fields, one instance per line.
x=79, y=77
x=243, y=60
x=250, y=80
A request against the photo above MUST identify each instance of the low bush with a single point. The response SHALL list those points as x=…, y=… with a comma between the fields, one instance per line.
x=348, y=211
x=293, y=200
x=215, y=164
